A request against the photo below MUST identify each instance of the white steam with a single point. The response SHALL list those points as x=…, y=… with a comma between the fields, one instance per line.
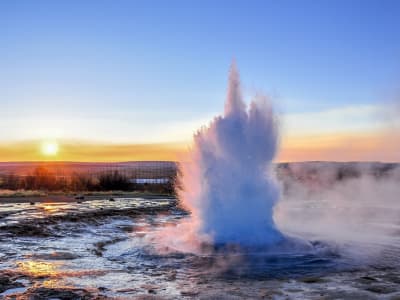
x=359, y=212
x=227, y=185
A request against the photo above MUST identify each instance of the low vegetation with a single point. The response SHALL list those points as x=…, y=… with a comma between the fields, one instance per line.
x=42, y=181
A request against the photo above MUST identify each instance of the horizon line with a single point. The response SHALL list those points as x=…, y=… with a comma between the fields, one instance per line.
x=132, y=161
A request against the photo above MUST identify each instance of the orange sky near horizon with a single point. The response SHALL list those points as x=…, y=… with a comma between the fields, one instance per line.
x=361, y=146
x=380, y=146
x=90, y=152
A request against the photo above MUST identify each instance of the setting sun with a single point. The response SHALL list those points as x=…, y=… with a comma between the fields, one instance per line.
x=50, y=148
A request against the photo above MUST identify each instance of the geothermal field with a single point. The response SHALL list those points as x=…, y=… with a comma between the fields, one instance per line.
x=328, y=242
x=238, y=227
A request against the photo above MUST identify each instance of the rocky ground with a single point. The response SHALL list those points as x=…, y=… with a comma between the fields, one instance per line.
x=98, y=250
x=383, y=284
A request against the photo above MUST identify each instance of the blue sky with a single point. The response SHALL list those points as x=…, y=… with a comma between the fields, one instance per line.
x=152, y=71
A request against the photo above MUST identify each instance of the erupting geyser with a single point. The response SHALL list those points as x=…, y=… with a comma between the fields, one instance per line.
x=227, y=184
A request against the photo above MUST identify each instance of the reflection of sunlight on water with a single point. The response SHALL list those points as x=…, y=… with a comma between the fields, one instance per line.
x=52, y=208
x=49, y=209
x=52, y=283
x=39, y=268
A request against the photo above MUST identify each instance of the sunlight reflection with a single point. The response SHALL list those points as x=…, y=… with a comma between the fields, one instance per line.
x=50, y=208
x=53, y=283
x=39, y=268
x=42, y=269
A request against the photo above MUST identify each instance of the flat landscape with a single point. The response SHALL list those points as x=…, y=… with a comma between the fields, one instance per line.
x=108, y=247
x=244, y=149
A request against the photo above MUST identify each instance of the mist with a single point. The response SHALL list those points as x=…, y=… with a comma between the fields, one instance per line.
x=353, y=206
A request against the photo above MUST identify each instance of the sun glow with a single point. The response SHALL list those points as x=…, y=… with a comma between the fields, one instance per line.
x=49, y=148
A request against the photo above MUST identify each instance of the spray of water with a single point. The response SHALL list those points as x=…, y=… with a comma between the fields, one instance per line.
x=227, y=183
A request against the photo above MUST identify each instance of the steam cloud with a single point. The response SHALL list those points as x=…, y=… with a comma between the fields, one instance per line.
x=359, y=212
x=227, y=183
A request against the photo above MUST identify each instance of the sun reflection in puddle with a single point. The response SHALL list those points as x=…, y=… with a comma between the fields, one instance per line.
x=50, y=208
x=45, y=269
x=53, y=283
x=39, y=268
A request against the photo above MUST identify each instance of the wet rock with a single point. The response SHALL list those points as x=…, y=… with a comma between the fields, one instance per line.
x=97, y=252
x=392, y=277
x=368, y=279
x=59, y=293
x=381, y=289
x=56, y=255
x=312, y=280
x=100, y=247
x=294, y=290
x=151, y=289
x=27, y=230
x=7, y=282
x=351, y=295
x=43, y=227
x=269, y=293
x=171, y=276
x=128, y=290
x=126, y=228
x=190, y=293
x=218, y=296
x=148, y=297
